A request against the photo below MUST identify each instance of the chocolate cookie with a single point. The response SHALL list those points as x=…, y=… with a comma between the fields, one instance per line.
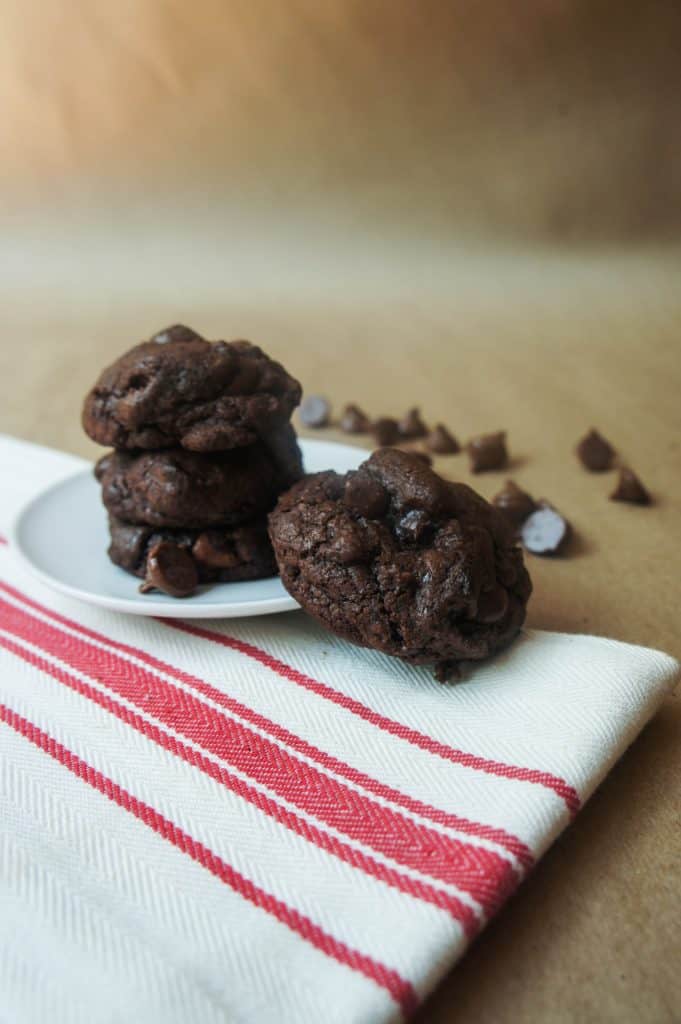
x=393, y=557
x=174, y=487
x=228, y=555
x=179, y=389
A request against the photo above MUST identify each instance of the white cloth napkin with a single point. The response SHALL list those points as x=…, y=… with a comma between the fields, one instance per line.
x=250, y=820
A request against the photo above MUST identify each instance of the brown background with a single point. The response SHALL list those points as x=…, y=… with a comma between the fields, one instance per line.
x=472, y=206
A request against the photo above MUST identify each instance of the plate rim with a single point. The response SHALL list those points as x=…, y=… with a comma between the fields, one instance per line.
x=135, y=606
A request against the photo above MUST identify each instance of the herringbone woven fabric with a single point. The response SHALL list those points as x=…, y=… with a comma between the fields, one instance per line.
x=253, y=821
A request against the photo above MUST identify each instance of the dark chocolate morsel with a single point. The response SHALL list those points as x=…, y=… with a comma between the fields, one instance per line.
x=171, y=569
x=211, y=549
x=545, y=531
x=514, y=503
x=442, y=442
x=354, y=421
x=385, y=431
x=315, y=411
x=178, y=332
x=414, y=525
x=365, y=495
x=630, y=489
x=411, y=425
x=488, y=451
x=595, y=453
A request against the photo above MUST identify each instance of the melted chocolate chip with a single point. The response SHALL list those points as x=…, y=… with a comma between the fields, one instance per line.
x=595, y=453
x=211, y=549
x=385, y=431
x=630, y=489
x=442, y=442
x=545, y=531
x=411, y=425
x=354, y=421
x=171, y=569
x=514, y=503
x=365, y=495
x=488, y=451
x=315, y=411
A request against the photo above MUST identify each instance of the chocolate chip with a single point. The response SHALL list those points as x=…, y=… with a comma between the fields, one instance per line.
x=178, y=332
x=595, y=453
x=413, y=525
x=211, y=549
x=171, y=569
x=354, y=421
x=545, y=531
x=350, y=543
x=385, y=431
x=441, y=441
x=315, y=411
x=514, y=503
x=488, y=451
x=629, y=488
x=365, y=495
x=411, y=425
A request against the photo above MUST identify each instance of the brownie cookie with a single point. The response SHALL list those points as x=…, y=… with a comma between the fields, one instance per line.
x=393, y=557
x=179, y=389
x=227, y=555
x=175, y=487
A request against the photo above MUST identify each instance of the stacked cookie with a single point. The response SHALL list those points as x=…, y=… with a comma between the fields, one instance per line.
x=203, y=447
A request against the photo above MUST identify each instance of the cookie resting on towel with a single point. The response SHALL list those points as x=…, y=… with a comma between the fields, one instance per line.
x=179, y=389
x=393, y=557
x=225, y=555
x=174, y=487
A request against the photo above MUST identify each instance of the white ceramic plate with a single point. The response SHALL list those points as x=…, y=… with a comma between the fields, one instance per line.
x=62, y=537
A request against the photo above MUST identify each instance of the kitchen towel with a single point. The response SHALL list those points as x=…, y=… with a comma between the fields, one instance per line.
x=250, y=820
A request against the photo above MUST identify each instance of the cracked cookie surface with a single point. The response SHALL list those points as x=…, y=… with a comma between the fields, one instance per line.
x=393, y=557
x=180, y=390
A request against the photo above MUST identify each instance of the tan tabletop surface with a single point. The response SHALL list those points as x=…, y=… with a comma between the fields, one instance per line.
x=539, y=344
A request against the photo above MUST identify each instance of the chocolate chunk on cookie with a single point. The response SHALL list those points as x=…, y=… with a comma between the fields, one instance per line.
x=175, y=487
x=171, y=569
x=180, y=390
x=393, y=557
x=218, y=554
